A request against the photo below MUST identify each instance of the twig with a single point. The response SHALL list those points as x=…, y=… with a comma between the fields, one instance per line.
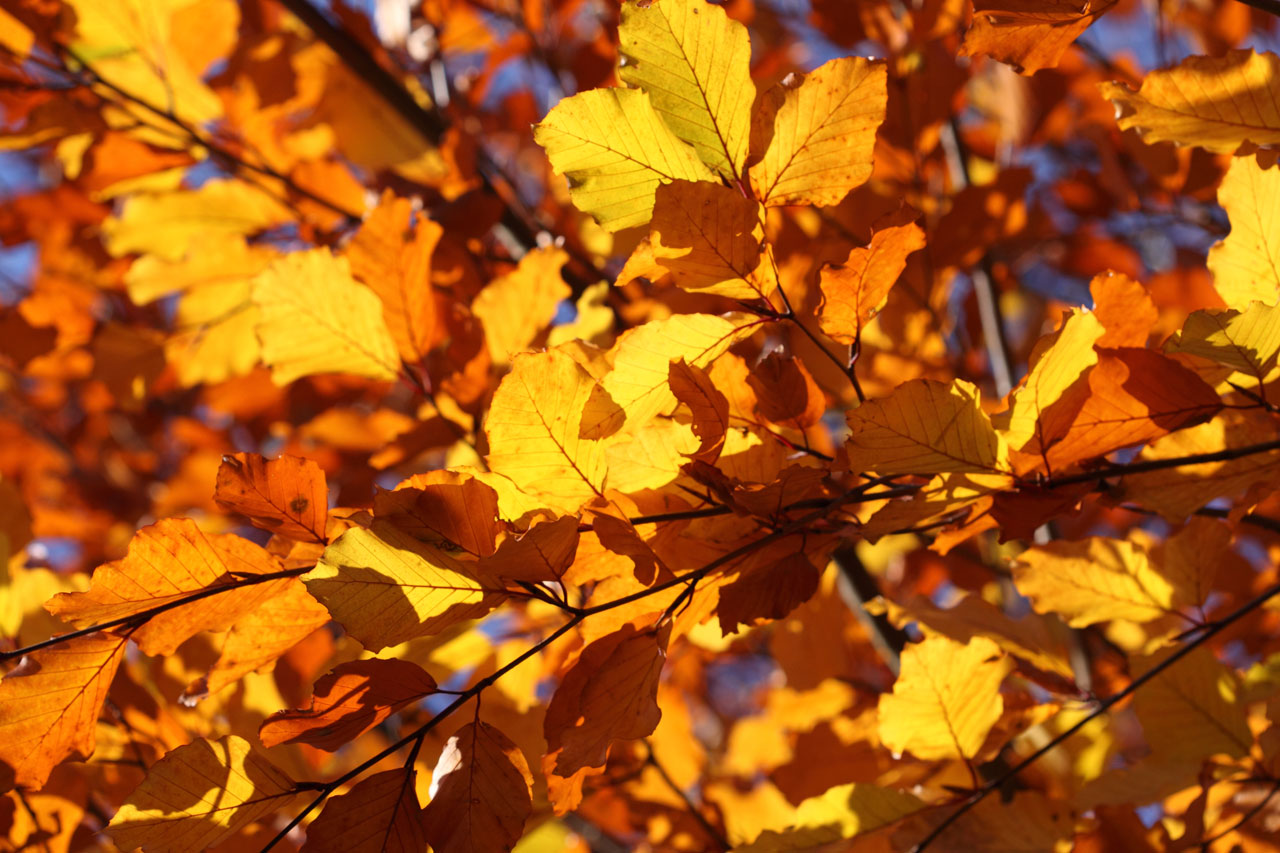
x=1244, y=818
x=1211, y=629
x=714, y=834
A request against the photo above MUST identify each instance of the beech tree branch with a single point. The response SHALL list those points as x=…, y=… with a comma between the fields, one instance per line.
x=1209, y=630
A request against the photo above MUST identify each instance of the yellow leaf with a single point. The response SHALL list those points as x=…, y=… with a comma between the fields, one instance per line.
x=199, y=795
x=1247, y=341
x=171, y=225
x=167, y=562
x=924, y=427
x=215, y=334
x=533, y=430
x=385, y=587
x=1214, y=102
x=854, y=291
x=516, y=307
x=637, y=388
x=843, y=812
x=695, y=64
x=1246, y=265
x=316, y=318
x=708, y=237
x=49, y=706
x=594, y=323
x=1057, y=361
x=1191, y=710
x=1093, y=580
x=946, y=698
x=615, y=150
x=814, y=139
x=650, y=457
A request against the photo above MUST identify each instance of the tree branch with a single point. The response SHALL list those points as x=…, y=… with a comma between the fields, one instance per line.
x=1210, y=630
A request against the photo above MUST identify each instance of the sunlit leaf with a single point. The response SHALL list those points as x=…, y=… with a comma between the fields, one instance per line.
x=854, y=291
x=480, y=792
x=286, y=495
x=1093, y=580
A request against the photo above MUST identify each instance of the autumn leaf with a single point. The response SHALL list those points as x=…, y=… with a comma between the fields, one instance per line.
x=380, y=813
x=1217, y=103
x=393, y=257
x=316, y=318
x=1246, y=265
x=1193, y=710
x=448, y=515
x=924, y=427
x=708, y=237
x=1247, y=341
x=946, y=698
x=768, y=591
x=517, y=307
x=694, y=63
x=200, y=795
x=854, y=291
x=609, y=694
x=708, y=407
x=1093, y=580
x=1029, y=34
x=541, y=553
x=286, y=495
x=811, y=138
x=167, y=563
x=384, y=587
x=843, y=812
x=49, y=706
x=615, y=149
x=480, y=792
x=350, y=700
x=534, y=430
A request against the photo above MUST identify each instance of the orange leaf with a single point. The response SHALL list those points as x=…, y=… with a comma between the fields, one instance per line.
x=286, y=495
x=168, y=562
x=453, y=515
x=767, y=591
x=610, y=693
x=710, y=409
x=381, y=813
x=542, y=553
x=259, y=637
x=49, y=706
x=349, y=701
x=481, y=793
x=1029, y=34
x=393, y=256
x=1124, y=308
x=853, y=292
x=786, y=392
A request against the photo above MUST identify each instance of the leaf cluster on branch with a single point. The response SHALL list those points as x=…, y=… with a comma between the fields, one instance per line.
x=566, y=424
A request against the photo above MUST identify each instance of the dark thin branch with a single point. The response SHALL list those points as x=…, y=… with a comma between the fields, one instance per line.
x=138, y=618
x=327, y=788
x=1246, y=817
x=1210, y=630
x=1124, y=469
x=709, y=828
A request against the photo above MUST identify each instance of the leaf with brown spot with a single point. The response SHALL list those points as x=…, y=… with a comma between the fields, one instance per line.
x=287, y=495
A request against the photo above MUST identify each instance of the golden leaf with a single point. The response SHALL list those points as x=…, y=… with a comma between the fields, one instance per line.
x=1246, y=265
x=708, y=237
x=814, y=139
x=286, y=495
x=517, y=307
x=380, y=814
x=1093, y=580
x=1214, y=102
x=695, y=64
x=854, y=291
x=946, y=698
x=316, y=318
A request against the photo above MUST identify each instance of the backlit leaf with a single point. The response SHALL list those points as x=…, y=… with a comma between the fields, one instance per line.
x=1093, y=580
x=1246, y=265
x=615, y=149
x=1247, y=341
x=1214, y=102
x=517, y=307
x=49, y=706
x=199, y=795
x=286, y=495
x=814, y=136
x=448, y=515
x=380, y=813
x=1192, y=710
x=694, y=62
x=1029, y=34
x=946, y=698
x=534, y=428
x=480, y=793
x=316, y=318
x=854, y=291
x=708, y=237
x=709, y=408
x=924, y=427
x=168, y=562
x=349, y=701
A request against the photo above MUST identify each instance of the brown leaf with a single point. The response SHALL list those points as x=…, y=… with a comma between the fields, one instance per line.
x=286, y=495
x=767, y=591
x=481, y=793
x=542, y=553
x=381, y=813
x=710, y=409
x=462, y=515
x=610, y=693
x=786, y=392
x=349, y=701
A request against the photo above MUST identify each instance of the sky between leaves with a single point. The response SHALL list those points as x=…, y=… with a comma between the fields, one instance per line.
x=568, y=425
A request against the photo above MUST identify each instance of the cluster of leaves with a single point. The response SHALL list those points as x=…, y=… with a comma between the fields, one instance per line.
x=726, y=461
